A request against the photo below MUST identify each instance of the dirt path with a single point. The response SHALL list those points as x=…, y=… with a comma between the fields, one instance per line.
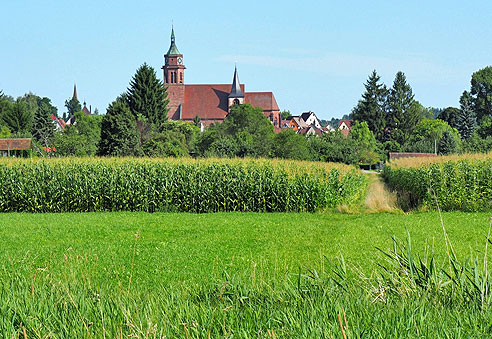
x=378, y=198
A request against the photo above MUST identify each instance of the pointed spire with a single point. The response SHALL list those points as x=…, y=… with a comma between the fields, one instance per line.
x=75, y=92
x=173, y=50
x=236, y=86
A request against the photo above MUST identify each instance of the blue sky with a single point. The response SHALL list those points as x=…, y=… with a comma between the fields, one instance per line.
x=312, y=55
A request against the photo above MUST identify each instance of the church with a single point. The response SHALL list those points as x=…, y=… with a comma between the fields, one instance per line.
x=211, y=102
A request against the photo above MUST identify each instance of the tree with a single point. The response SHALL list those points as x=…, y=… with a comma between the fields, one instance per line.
x=73, y=106
x=43, y=128
x=197, y=121
x=4, y=132
x=481, y=89
x=18, y=119
x=289, y=145
x=285, y=114
x=427, y=134
x=251, y=129
x=447, y=144
x=450, y=115
x=404, y=113
x=147, y=96
x=466, y=119
x=119, y=136
x=366, y=144
x=372, y=107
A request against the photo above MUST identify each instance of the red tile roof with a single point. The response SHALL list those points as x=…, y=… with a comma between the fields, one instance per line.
x=209, y=101
x=265, y=100
x=347, y=122
x=14, y=144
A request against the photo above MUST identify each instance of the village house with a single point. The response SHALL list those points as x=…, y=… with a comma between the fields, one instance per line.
x=306, y=124
x=210, y=102
x=345, y=126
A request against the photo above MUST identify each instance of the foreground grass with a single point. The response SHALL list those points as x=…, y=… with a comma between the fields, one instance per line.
x=225, y=275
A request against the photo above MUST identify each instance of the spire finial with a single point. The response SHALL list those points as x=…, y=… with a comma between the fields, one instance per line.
x=173, y=50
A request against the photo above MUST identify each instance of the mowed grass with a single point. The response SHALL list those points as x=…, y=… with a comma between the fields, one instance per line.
x=221, y=275
x=197, y=247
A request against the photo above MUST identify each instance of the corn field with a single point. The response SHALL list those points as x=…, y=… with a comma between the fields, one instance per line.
x=89, y=185
x=454, y=184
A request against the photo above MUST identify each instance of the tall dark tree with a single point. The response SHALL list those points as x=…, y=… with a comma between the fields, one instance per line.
x=73, y=106
x=404, y=113
x=372, y=107
x=119, y=136
x=43, y=127
x=147, y=96
x=18, y=118
x=450, y=115
x=466, y=119
x=481, y=89
x=447, y=144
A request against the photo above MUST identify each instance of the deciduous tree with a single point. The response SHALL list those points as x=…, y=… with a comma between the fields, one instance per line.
x=481, y=89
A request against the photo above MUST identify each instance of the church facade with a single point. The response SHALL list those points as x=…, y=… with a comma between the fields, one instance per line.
x=211, y=102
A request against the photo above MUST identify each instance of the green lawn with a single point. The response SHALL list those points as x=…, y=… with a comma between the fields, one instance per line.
x=188, y=269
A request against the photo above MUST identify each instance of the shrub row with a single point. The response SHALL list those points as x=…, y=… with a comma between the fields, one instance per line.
x=85, y=185
x=464, y=185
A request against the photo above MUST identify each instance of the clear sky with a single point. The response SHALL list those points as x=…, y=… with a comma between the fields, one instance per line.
x=314, y=55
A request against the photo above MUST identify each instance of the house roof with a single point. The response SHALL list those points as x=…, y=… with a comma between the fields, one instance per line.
x=304, y=116
x=85, y=110
x=265, y=100
x=59, y=121
x=347, y=122
x=15, y=144
x=301, y=123
x=210, y=101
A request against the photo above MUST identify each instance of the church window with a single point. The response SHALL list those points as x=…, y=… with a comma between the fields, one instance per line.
x=172, y=77
x=181, y=77
x=236, y=102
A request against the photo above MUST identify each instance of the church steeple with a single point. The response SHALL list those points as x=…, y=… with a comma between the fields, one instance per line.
x=75, y=92
x=236, y=96
x=236, y=86
x=173, y=64
x=173, y=50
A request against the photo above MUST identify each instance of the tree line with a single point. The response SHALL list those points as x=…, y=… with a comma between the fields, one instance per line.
x=135, y=124
x=401, y=123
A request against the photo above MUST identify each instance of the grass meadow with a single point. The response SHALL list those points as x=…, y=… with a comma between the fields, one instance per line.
x=243, y=275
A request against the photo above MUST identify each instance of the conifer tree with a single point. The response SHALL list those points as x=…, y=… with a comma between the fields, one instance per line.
x=404, y=113
x=466, y=118
x=43, y=127
x=119, y=136
x=73, y=106
x=447, y=144
x=371, y=108
x=147, y=96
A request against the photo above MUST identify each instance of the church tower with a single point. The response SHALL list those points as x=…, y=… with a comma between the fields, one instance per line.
x=174, y=79
x=236, y=97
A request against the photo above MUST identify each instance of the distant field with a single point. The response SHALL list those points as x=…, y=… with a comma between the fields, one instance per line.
x=220, y=275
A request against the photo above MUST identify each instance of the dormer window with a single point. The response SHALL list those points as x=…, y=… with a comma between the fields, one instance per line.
x=235, y=102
